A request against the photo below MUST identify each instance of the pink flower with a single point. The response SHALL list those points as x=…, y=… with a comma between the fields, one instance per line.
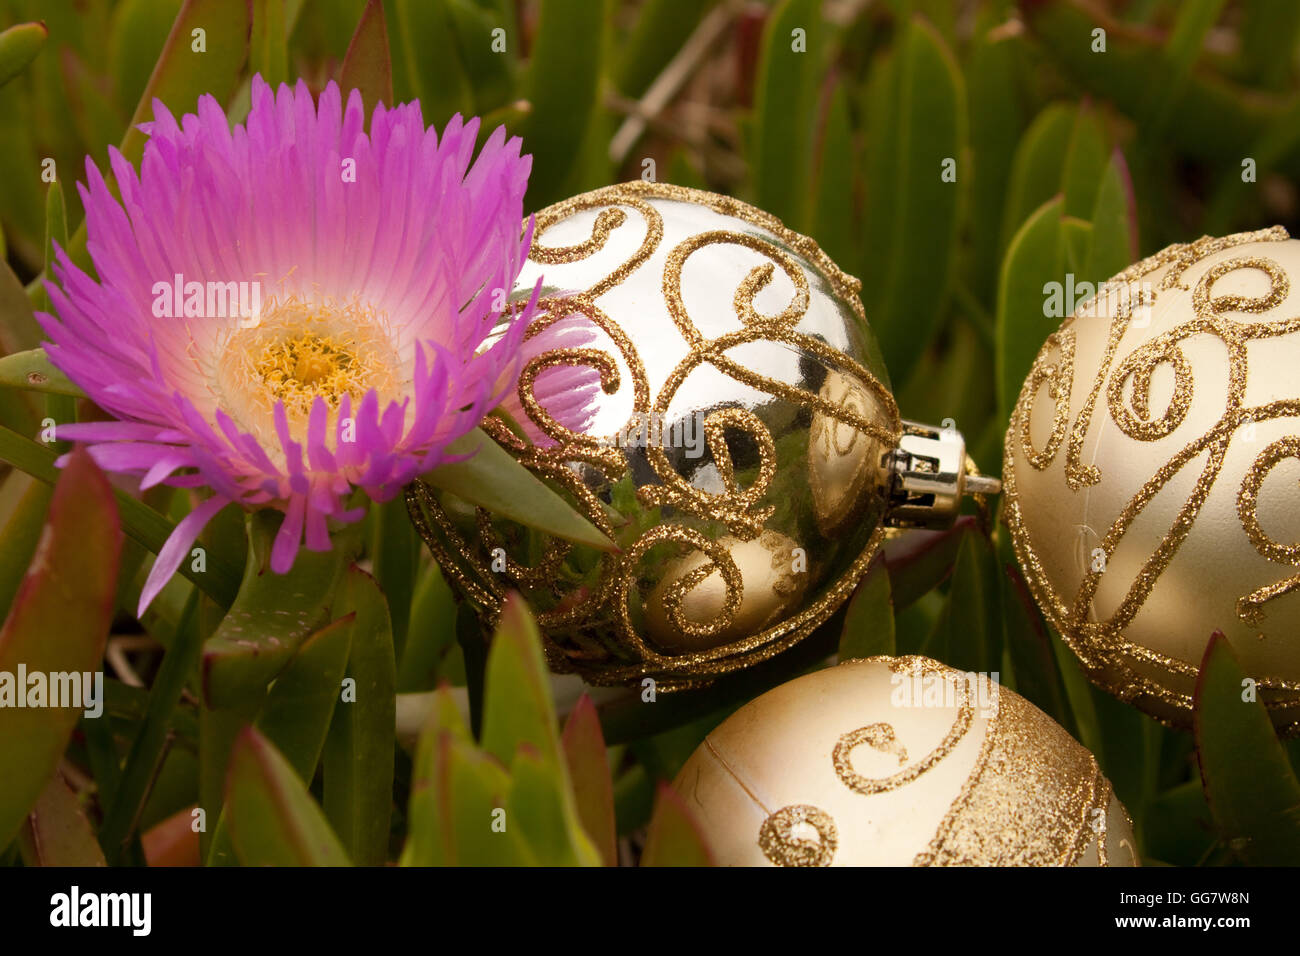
x=293, y=307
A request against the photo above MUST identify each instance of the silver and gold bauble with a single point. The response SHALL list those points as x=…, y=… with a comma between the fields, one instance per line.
x=744, y=454
x=898, y=761
x=1152, y=474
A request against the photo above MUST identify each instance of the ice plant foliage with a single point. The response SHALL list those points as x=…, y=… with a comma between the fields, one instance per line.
x=380, y=260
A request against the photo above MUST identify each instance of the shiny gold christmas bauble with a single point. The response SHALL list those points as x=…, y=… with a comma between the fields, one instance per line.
x=1152, y=474
x=898, y=761
x=739, y=455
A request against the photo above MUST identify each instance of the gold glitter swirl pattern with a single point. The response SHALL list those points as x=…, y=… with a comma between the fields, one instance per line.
x=1033, y=797
x=596, y=626
x=1127, y=383
x=781, y=845
x=1028, y=769
x=881, y=737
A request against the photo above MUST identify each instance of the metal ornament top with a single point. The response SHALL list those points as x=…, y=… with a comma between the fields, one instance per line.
x=746, y=454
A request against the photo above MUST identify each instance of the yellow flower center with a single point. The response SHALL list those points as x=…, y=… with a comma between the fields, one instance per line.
x=300, y=350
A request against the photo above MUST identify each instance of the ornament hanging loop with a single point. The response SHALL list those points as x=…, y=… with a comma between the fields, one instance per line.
x=930, y=473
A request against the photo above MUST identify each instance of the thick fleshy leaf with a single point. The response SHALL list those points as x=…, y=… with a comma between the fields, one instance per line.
x=962, y=637
x=489, y=70
x=173, y=841
x=1186, y=40
x=426, y=62
x=1036, y=169
x=1179, y=828
x=1034, y=258
x=919, y=560
x=368, y=66
x=593, y=789
x=1033, y=665
x=394, y=556
x=519, y=708
x=561, y=84
x=271, y=616
x=785, y=109
x=358, y=758
x=1114, y=224
x=1085, y=162
x=492, y=479
x=1079, y=693
x=139, y=31
x=23, y=503
x=457, y=812
x=674, y=837
x=920, y=110
x=1209, y=118
x=183, y=72
x=268, y=53
x=140, y=522
x=300, y=704
x=542, y=807
x=432, y=633
x=57, y=832
x=834, y=215
x=869, y=622
x=18, y=47
x=295, y=716
x=997, y=120
x=19, y=330
x=273, y=819
x=1249, y=784
x=58, y=625
x=149, y=746
x=61, y=409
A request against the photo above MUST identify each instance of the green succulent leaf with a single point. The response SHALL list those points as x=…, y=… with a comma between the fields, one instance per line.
x=518, y=708
x=268, y=50
x=674, y=838
x=1114, y=224
x=1035, y=257
x=432, y=633
x=368, y=65
x=18, y=47
x=58, y=624
x=541, y=805
x=140, y=522
x=918, y=134
x=869, y=623
x=273, y=819
x=270, y=618
x=785, y=106
x=593, y=789
x=1036, y=169
x=561, y=84
x=358, y=757
x=492, y=479
x=58, y=832
x=23, y=504
x=457, y=808
x=1249, y=783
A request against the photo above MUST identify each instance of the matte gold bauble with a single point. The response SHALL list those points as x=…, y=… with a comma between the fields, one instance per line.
x=1152, y=472
x=897, y=761
x=744, y=455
